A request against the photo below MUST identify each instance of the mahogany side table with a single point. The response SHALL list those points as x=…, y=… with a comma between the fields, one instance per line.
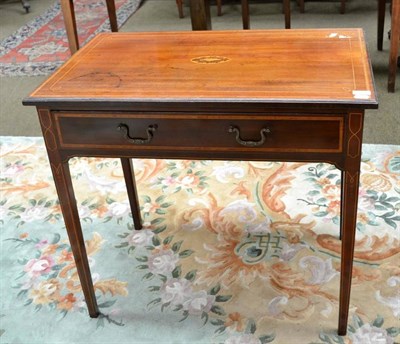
x=283, y=95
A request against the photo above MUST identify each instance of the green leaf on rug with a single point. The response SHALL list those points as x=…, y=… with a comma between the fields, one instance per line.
x=191, y=275
x=217, y=310
x=223, y=298
x=215, y=290
x=393, y=331
x=378, y=322
x=267, y=338
x=176, y=273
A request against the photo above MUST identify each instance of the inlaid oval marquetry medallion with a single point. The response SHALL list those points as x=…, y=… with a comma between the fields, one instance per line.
x=210, y=59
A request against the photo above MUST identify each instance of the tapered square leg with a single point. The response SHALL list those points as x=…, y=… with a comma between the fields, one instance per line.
x=129, y=176
x=66, y=196
x=350, y=184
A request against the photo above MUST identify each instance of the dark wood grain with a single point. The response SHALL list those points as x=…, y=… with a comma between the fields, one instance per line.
x=319, y=133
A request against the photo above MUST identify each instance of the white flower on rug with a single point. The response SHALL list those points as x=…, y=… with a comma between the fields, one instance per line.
x=243, y=339
x=321, y=271
x=80, y=304
x=196, y=224
x=45, y=292
x=368, y=334
x=289, y=251
x=163, y=262
x=180, y=292
x=35, y=213
x=103, y=184
x=392, y=302
x=263, y=227
x=141, y=238
x=199, y=302
x=40, y=50
x=3, y=211
x=273, y=306
x=117, y=209
x=365, y=201
x=176, y=291
x=327, y=311
x=188, y=180
x=84, y=211
x=242, y=208
x=223, y=173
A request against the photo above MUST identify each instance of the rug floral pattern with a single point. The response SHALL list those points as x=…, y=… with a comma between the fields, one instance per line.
x=231, y=252
x=41, y=46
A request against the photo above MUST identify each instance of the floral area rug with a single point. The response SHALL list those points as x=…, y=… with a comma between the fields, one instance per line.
x=41, y=46
x=231, y=252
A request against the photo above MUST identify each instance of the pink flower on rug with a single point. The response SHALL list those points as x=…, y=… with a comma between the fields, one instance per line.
x=168, y=181
x=12, y=170
x=41, y=243
x=37, y=267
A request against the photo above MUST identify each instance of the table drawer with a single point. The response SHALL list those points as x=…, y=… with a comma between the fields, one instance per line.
x=286, y=133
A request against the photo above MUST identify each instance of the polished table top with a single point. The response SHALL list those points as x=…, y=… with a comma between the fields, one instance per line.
x=274, y=66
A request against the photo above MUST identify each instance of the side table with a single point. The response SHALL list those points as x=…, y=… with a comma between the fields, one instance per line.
x=228, y=95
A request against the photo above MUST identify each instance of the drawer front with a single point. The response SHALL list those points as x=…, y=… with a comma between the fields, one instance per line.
x=278, y=133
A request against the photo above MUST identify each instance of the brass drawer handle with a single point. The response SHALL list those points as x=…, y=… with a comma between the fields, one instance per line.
x=138, y=140
x=248, y=143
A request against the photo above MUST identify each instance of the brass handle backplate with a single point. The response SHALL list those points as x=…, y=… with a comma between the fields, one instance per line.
x=249, y=143
x=138, y=140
